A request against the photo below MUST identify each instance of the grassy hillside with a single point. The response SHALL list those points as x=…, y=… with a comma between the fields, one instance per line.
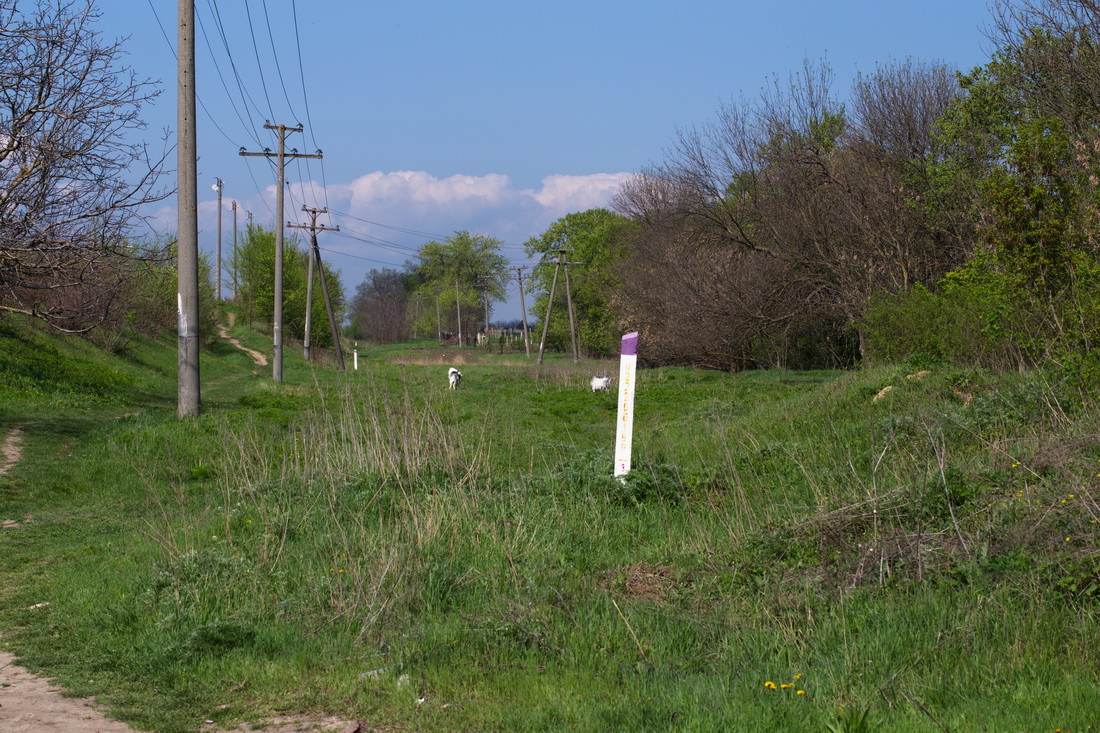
x=789, y=554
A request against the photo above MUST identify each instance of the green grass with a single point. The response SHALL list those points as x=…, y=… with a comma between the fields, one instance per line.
x=374, y=545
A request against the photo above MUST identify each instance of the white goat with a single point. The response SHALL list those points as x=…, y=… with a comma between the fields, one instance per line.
x=454, y=377
x=601, y=384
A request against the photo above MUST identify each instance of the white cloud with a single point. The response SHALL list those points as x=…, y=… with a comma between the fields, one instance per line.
x=578, y=193
x=407, y=200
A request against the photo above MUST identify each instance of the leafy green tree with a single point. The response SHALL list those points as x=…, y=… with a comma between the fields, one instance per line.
x=596, y=239
x=1023, y=145
x=454, y=269
x=255, y=258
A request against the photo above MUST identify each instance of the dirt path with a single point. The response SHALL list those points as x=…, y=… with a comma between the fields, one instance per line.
x=223, y=332
x=29, y=704
x=32, y=704
x=11, y=451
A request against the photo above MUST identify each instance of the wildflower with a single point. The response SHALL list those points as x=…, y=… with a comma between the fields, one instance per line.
x=798, y=676
x=770, y=685
x=785, y=685
x=801, y=692
x=1067, y=539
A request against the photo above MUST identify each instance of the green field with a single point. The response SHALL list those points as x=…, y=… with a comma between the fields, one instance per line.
x=788, y=554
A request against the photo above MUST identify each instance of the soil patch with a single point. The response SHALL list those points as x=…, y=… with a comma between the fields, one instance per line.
x=11, y=451
x=223, y=332
x=30, y=704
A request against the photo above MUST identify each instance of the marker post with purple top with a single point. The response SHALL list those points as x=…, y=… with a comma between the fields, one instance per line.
x=624, y=425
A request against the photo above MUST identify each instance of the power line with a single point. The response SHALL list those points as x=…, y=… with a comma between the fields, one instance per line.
x=259, y=65
x=305, y=96
x=275, y=55
x=221, y=78
x=250, y=126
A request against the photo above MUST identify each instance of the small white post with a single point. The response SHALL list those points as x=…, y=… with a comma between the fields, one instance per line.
x=624, y=437
x=355, y=357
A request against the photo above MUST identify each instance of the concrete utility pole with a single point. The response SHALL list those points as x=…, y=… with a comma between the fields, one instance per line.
x=562, y=262
x=281, y=155
x=315, y=254
x=187, y=218
x=523, y=308
x=218, y=279
x=234, y=251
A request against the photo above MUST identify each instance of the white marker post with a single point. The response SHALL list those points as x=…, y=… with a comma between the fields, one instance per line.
x=624, y=437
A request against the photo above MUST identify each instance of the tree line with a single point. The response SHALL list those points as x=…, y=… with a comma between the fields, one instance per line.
x=931, y=214
x=927, y=212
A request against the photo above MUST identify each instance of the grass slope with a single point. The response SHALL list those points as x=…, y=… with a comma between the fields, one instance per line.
x=789, y=554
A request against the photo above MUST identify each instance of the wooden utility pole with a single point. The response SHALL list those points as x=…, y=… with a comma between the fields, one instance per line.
x=281, y=155
x=218, y=279
x=523, y=309
x=187, y=218
x=562, y=262
x=315, y=254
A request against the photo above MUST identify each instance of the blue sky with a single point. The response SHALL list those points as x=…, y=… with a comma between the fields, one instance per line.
x=495, y=117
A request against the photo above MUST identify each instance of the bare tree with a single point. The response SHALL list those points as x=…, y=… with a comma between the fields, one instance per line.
x=71, y=179
x=819, y=206
x=380, y=308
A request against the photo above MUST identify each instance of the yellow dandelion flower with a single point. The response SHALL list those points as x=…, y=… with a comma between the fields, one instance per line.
x=770, y=685
x=798, y=676
x=785, y=685
x=801, y=692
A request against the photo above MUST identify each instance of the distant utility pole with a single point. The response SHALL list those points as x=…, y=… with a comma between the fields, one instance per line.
x=281, y=155
x=249, y=213
x=315, y=254
x=218, y=280
x=458, y=310
x=484, y=287
x=187, y=217
x=234, y=251
x=523, y=309
x=569, y=307
x=562, y=262
x=438, y=318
